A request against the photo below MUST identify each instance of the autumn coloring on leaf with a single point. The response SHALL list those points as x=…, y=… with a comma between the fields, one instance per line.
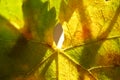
x=59, y=39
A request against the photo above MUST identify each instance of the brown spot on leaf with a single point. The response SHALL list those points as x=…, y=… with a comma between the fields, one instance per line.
x=86, y=32
x=26, y=33
x=112, y=58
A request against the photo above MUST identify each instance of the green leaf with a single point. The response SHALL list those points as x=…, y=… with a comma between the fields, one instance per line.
x=23, y=48
x=91, y=40
x=107, y=73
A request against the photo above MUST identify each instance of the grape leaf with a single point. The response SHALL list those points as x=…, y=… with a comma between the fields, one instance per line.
x=91, y=46
x=22, y=49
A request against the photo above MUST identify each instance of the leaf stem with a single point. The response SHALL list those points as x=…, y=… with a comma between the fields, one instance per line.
x=95, y=41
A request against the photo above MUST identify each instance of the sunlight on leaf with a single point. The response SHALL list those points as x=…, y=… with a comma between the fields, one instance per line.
x=59, y=40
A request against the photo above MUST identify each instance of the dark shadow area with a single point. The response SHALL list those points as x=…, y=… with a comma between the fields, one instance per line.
x=24, y=54
x=109, y=73
x=8, y=36
x=37, y=17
